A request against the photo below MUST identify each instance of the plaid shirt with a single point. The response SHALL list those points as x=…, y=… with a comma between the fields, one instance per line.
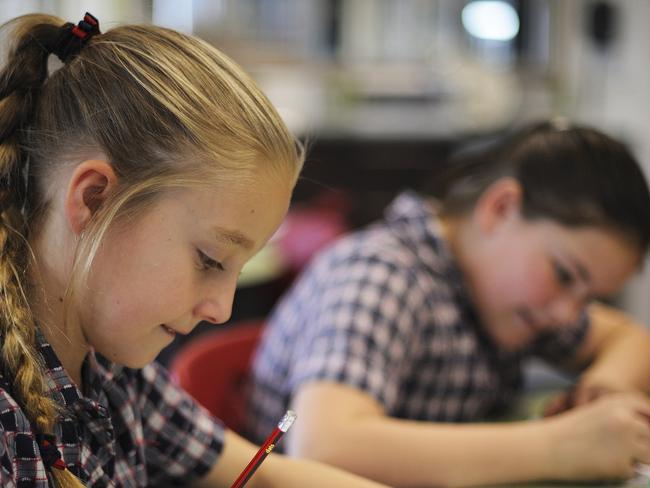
x=386, y=311
x=130, y=428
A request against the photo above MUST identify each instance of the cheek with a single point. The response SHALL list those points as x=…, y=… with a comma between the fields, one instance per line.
x=133, y=290
x=148, y=296
x=520, y=278
x=536, y=286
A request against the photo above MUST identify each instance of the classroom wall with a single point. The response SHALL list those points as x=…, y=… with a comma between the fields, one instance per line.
x=607, y=87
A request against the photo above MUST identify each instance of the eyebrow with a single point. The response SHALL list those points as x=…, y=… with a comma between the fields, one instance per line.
x=233, y=237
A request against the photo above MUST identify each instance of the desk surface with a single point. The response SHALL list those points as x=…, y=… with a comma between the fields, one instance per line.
x=639, y=482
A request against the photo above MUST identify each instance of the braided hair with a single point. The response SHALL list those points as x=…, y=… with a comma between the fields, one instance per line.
x=20, y=85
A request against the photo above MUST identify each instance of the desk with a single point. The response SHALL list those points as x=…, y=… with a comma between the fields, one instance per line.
x=639, y=482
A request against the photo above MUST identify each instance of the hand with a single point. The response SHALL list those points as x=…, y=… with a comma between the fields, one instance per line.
x=603, y=439
x=574, y=397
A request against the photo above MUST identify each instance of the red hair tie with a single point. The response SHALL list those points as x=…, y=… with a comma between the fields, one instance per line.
x=49, y=452
x=74, y=37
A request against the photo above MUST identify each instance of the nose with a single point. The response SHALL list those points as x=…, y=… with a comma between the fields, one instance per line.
x=566, y=309
x=216, y=307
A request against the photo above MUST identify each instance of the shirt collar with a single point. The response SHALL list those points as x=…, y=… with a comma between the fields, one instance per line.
x=420, y=228
x=59, y=384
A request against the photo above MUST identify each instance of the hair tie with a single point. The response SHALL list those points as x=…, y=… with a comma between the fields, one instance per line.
x=49, y=452
x=74, y=37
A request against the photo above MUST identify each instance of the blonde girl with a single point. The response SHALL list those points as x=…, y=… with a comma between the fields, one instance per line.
x=136, y=179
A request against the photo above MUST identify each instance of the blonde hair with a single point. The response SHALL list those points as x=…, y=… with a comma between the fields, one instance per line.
x=167, y=110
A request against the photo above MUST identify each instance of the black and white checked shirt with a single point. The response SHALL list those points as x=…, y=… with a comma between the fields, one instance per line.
x=385, y=310
x=130, y=428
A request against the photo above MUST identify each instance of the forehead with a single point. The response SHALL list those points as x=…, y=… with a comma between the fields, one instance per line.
x=606, y=256
x=242, y=214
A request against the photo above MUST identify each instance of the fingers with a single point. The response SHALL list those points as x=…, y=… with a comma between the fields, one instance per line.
x=640, y=403
x=641, y=442
x=642, y=451
x=575, y=396
x=607, y=437
x=642, y=469
x=629, y=413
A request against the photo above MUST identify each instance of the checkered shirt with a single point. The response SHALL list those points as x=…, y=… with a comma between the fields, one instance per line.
x=386, y=310
x=130, y=428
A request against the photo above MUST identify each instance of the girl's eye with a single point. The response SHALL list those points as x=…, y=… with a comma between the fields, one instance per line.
x=208, y=263
x=563, y=276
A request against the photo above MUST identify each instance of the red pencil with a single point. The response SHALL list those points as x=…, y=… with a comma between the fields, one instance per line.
x=266, y=448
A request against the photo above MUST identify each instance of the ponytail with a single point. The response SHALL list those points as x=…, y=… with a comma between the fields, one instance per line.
x=21, y=81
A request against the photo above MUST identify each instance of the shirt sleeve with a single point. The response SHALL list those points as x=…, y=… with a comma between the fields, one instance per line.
x=6, y=468
x=561, y=346
x=183, y=441
x=357, y=325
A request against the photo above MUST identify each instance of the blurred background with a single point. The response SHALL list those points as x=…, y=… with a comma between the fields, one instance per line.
x=382, y=90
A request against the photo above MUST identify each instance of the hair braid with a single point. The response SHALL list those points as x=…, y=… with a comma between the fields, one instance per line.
x=20, y=83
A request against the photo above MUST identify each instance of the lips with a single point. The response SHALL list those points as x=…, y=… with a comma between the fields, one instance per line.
x=169, y=330
x=174, y=332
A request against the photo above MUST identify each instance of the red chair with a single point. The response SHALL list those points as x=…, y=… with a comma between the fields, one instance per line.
x=214, y=369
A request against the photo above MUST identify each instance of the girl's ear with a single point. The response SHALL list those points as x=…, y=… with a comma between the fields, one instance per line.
x=89, y=186
x=500, y=202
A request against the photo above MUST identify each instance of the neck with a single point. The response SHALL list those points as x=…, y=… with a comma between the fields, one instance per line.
x=69, y=347
x=455, y=232
x=460, y=235
x=47, y=303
